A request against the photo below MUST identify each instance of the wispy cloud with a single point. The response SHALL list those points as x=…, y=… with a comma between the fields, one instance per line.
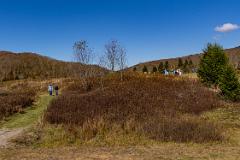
x=217, y=37
x=227, y=27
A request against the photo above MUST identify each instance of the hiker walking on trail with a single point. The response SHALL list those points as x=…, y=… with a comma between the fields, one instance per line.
x=56, y=89
x=50, y=89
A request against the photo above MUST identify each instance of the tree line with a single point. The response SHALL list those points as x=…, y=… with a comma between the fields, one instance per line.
x=186, y=67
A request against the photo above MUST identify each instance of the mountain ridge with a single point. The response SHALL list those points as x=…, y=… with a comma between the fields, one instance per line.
x=26, y=65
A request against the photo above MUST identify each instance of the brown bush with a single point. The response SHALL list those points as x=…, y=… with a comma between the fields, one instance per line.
x=14, y=101
x=182, y=129
x=155, y=104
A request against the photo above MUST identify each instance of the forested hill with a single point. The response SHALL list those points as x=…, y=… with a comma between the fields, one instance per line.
x=30, y=65
x=233, y=54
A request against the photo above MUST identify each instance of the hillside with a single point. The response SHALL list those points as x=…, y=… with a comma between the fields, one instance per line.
x=31, y=65
x=233, y=54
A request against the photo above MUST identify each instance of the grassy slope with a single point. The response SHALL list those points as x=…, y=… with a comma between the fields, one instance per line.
x=30, y=116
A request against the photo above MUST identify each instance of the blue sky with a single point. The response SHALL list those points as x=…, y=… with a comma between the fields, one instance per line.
x=148, y=29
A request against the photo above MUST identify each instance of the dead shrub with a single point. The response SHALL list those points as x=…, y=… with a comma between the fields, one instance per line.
x=15, y=101
x=182, y=129
x=148, y=105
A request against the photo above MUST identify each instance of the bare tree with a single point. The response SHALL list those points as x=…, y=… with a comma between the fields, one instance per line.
x=122, y=60
x=84, y=55
x=111, y=54
x=82, y=52
x=115, y=56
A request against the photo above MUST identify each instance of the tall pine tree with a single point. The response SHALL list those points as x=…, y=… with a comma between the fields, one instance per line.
x=185, y=66
x=161, y=67
x=166, y=65
x=212, y=64
x=154, y=69
x=180, y=63
x=145, y=69
x=214, y=69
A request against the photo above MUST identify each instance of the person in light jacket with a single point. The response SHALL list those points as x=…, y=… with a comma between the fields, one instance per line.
x=50, y=89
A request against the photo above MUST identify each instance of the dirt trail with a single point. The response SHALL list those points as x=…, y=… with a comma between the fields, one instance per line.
x=7, y=134
x=18, y=122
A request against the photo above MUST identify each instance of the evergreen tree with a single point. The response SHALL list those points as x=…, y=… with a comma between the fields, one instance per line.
x=186, y=66
x=229, y=84
x=214, y=69
x=185, y=63
x=191, y=66
x=212, y=64
x=161, y=67
x=190, y=63
x=166, y=66
x=154, y=70
x=134, y=69
x=145, y=69
x=180, y=63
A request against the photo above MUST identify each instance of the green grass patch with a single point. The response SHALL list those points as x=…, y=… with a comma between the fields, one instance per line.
x=229, y=116
x=30, y=116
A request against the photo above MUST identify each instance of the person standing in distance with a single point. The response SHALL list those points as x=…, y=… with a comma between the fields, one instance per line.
x=56, y=89
x=50, y=89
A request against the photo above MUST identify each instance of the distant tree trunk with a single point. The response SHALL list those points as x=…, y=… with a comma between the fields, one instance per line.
x=122, y=61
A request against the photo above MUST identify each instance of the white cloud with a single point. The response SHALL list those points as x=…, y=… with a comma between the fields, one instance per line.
x=227, y=27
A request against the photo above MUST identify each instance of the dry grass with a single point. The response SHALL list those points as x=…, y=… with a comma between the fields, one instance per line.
x=162, y=152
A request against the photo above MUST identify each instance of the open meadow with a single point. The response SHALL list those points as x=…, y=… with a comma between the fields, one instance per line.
x=138, y=117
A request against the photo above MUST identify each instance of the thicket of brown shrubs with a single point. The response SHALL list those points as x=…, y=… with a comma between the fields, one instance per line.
x=158, y=107
x=16, y=99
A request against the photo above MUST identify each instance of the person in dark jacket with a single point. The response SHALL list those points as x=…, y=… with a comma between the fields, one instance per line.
x=56, y=90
